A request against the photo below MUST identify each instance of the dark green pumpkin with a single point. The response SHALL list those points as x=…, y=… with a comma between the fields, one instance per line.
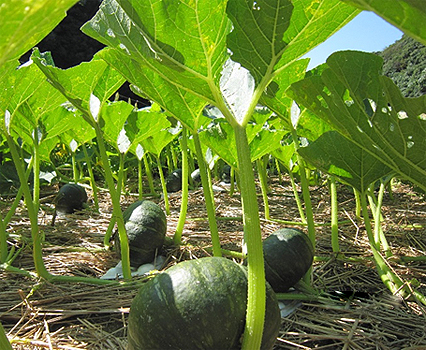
x=71, y=197
x=288, y=255
x=146, y=227
x=197, y=304
x=174, y=181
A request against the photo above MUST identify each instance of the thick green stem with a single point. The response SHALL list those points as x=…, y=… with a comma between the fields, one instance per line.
x=140, y=183
x=334, y=216
x=75, y=173
x=232, y=176
x=264, y=186
x=32, y=211
x=253, y=239
x=3, y=242
x=306, y=198
x=92, y=178
x=357, y=204
x=376, y=206
x=108, y=233
x=177, y=238
x=297, y=198
x=208, y=196
x=148, y=173
x=117, y=214
x=120, y=178
x=277, y=166
x=163, y=186
x=36, y=172
x=305, y=190
x=367, y=222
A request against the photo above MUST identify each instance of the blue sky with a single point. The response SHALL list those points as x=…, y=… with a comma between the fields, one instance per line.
x=366, y=32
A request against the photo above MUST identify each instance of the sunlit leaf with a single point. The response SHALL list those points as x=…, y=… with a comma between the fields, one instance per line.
x=338, y=156
x=26, y=22
x=369, y=109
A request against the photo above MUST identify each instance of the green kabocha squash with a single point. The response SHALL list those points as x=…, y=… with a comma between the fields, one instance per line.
x=288, y=255
x=146, y=227
x=174, y=181
x=71, y=197
x=197, y=304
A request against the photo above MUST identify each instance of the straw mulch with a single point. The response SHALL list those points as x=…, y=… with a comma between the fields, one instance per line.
x=40, y=315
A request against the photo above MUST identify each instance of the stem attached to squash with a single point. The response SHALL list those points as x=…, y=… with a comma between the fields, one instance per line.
x=256, y=301
x=32, y=211
x=140, y=183
x=163, y=186
x=148, y=173
x=264, y=186
x=177, y=238
x=92, y=177
x=297, y=198
x=305, y=190
x=117, y=214
x=208, y=197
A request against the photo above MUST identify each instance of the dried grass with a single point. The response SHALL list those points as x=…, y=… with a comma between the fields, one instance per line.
x=40, y=315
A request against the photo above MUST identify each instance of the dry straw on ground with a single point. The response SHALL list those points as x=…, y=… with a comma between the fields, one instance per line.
x=39, y=315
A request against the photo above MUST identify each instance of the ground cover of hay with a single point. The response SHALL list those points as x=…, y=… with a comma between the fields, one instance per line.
x=39, y=315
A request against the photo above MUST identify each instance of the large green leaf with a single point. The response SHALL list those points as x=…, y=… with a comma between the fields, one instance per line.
x=144, y=123
x=183, y=105
x=26, y=22
x=256, y=39
x=156, y=143
x=338, y=156
x=407, y=15
x=264, y=40
x=86, y=86
x=114, y=115
x=181, y=41
x=368, y=109
x=34, y=107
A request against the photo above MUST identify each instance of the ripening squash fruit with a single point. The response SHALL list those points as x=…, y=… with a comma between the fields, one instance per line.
x=288, y=255
x=146, y=227
x=71, y=197
x=197, y=304
x=174, y=181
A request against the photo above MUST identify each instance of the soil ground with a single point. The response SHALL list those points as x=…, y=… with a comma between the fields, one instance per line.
x=40, y=315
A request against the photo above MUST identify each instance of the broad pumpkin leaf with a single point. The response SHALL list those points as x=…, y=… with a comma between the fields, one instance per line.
x=184, y=105
x=270, y=35
x=34, y=107
x=407, y=15
x=220, y=138
x=336, y=155
x=369, y=109
x=144, y=123
x=156, y=143
x=184, y=42
x=26, y=22
x=285, y=154
x=56, y=123
x=256, y=40
x=86, y=86
x=114, y=115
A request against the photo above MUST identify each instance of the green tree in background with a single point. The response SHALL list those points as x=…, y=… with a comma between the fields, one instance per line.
x=405, y=64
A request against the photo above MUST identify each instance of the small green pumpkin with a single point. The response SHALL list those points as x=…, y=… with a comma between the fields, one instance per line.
x=146, y=227
x=288, y=255
x=71, y=197
x=197, y=304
